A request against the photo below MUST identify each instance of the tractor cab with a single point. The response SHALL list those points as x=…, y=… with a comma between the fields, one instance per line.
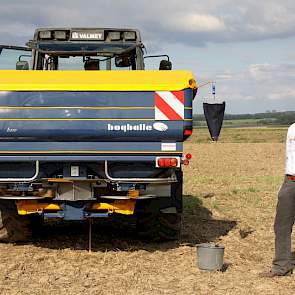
x=82, y=49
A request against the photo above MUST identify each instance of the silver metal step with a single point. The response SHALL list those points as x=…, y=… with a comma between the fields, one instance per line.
x=142, y=197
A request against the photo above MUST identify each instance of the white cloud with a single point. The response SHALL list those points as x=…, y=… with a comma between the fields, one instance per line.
x=260, y=81
x=282, y=94
x=257, y=88
x=194, y=22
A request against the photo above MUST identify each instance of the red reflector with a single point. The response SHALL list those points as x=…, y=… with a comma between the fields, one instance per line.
x=188, y=132
x=188, y=156
x=185, y=162
x=167, y=162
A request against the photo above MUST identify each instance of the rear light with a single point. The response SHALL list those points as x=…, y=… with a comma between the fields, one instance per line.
x=187, y=133
x=173, y=162
x=193, y=86
x=188, y=156
x=185, y=161
x=167, y=162
x=192, y=83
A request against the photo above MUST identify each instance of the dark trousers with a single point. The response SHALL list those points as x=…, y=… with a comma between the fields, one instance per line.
x=284, y=220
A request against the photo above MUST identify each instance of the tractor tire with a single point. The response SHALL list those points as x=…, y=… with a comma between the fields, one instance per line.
x=13, y=227
x=159, y=227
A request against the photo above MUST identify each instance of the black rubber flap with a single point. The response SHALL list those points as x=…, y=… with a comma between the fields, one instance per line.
x=214, y=114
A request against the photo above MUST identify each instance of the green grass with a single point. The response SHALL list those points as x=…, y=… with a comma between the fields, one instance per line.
x=232, y=123
x=190, y=203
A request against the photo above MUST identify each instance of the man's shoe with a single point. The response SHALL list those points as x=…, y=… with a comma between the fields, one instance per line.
x=273, y=274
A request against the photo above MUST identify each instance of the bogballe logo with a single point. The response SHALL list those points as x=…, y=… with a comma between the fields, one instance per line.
x=160, y=126
x=138, y=127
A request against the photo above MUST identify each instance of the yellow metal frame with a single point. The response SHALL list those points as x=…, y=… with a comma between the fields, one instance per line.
x=125, y=207
x=13, y=80
x=30, y=207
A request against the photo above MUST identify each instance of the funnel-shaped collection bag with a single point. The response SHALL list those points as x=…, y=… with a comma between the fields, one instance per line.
x=214, y=114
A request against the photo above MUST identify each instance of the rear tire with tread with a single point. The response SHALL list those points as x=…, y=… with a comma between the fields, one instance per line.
x=13, y=227
x=159, y=227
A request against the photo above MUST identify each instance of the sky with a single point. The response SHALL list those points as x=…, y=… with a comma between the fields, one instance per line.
x=247, y=47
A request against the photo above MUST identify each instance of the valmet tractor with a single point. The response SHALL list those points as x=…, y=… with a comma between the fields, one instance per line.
x=86, y=132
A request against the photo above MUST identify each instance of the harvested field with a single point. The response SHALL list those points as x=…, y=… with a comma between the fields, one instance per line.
x=230, y=189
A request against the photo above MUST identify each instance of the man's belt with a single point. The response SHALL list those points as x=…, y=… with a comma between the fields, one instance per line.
x=291, y=177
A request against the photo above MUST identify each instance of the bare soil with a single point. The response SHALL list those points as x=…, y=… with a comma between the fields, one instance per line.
x=230, y=189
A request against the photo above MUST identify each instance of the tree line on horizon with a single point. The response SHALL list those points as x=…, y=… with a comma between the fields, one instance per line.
x=267, y=118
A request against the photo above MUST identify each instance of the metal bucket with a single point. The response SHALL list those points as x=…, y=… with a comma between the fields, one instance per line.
x=210, y=257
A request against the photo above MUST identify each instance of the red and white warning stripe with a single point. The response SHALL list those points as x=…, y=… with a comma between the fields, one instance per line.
x=169, y=105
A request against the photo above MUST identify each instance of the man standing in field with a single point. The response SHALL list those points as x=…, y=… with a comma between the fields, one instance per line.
x=285, y=215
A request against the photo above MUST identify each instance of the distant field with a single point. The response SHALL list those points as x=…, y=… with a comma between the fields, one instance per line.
x=240, y=135
x=229, y=188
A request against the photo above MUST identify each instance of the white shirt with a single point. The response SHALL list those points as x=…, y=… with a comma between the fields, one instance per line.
x=290, y=151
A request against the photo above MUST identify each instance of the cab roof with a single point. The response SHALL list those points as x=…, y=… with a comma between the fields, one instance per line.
x=89, y=34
